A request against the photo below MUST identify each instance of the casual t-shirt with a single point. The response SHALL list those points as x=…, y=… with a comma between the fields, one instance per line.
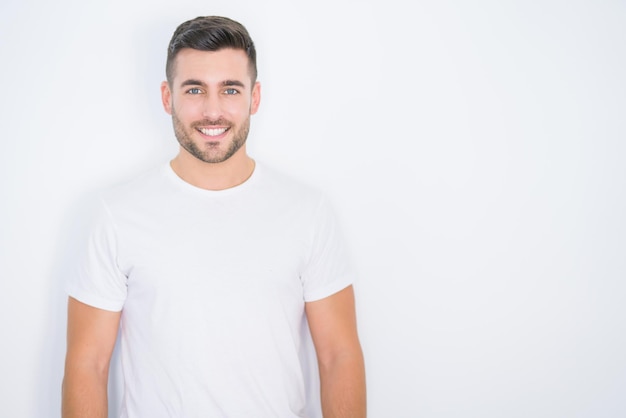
x=212, y=287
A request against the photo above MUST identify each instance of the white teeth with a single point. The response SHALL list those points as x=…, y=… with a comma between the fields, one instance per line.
x=212, y=132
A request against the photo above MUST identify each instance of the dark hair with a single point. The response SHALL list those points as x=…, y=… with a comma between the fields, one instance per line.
x=210, y=33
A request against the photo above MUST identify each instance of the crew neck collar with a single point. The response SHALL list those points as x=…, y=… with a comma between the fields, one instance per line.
x=179, y=182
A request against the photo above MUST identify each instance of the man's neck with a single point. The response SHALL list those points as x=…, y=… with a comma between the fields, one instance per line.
x=213, y=176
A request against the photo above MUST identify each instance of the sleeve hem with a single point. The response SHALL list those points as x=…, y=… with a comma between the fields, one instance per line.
x=95, y=301
x=329, y=290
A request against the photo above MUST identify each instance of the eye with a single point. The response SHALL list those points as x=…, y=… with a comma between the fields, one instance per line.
x=231, y=91
x=194, y=90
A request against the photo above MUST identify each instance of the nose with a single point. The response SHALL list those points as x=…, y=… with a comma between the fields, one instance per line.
x=212, y=108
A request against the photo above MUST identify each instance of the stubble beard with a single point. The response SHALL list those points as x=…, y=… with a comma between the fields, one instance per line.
x=210, y=152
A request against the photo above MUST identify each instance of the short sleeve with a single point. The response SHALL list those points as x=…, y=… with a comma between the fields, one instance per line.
x=96, y=279
x=328, y=269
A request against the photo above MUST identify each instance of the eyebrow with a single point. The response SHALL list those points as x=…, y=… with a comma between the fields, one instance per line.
x=225, y=83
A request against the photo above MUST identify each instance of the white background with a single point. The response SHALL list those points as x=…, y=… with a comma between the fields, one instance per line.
x=474, y=151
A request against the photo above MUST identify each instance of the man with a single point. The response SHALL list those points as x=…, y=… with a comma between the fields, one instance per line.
x=216, y=267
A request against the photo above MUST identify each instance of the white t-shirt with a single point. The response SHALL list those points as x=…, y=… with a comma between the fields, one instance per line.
x=212, y=286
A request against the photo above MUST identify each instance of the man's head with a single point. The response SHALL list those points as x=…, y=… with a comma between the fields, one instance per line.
x=210, y=33
x=211, y=88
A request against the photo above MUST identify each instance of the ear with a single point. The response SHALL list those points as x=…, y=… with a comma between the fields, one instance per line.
x=166, y=97
x=256, y=98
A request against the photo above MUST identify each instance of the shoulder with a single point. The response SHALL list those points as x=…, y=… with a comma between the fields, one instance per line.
x=280, y=184
x=296, y=201
x=141, y=188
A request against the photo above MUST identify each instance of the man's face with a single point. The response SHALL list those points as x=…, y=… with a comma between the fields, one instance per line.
x=211, y=99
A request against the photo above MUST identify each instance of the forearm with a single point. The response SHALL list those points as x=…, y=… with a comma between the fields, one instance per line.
x=343, y=387
x=84, y=395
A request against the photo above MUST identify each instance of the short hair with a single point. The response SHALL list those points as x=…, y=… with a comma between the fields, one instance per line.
x=210, y=33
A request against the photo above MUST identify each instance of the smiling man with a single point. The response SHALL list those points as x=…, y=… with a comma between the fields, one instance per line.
x=219, y=270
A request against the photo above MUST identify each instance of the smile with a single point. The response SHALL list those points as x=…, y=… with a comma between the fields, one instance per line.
x=212, y=131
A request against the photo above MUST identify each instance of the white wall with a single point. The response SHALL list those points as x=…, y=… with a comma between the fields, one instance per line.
x=474, y=150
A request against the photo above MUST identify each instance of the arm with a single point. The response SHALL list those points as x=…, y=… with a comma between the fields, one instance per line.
x=91, y=335
x=342, y=372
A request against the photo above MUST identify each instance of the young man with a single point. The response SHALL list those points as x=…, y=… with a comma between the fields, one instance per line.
x=216, y=267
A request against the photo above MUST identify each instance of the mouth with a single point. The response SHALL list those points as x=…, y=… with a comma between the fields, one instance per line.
x=212, y=132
